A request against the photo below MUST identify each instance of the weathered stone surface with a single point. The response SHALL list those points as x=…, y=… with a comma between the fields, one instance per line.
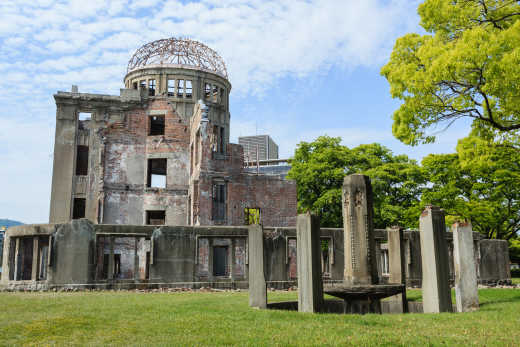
x=435, y=267
x=310, y=284
x=173, y=249
x=360, y=262
x=72, y=253
x=466, y=290
x=396, y=262
x=494, y=262
x=257, y=285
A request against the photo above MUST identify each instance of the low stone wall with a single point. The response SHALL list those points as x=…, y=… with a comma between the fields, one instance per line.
x=83, y=255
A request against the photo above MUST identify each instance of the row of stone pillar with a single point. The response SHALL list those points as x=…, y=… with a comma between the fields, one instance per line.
x=359, y=249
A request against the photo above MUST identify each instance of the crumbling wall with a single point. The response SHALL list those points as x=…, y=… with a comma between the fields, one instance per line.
x=128, y=148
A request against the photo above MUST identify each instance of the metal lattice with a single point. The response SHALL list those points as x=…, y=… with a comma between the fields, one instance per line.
x=174, y=51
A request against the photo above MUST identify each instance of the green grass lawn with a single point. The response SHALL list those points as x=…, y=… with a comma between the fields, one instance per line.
x=515, y=280
x=128, y=318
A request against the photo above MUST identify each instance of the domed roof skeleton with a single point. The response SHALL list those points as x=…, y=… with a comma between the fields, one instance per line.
x=174, y=51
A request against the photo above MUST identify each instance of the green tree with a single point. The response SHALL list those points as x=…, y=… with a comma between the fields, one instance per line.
x=481, y=183
x=468, y=65
x=320, y=166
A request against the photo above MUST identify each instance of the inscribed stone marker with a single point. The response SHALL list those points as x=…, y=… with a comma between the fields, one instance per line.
x=360, y=262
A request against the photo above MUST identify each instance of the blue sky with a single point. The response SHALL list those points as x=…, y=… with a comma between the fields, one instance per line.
x=299, y=69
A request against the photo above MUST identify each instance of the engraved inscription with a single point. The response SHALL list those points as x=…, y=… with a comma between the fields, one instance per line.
x=367, y=237
x=358, y=199
x=354, y=243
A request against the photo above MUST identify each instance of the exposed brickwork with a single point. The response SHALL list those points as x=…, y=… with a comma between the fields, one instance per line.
x=194, y=146
x=274, y=196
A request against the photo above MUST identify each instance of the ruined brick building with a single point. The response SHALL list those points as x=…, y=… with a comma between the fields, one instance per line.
x=159, y=153
x=166, y=197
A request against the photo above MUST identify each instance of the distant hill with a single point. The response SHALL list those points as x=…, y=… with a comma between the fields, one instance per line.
x=9, y=223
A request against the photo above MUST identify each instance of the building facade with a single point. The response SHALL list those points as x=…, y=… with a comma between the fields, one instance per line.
x=159, y=153
x=259, y=147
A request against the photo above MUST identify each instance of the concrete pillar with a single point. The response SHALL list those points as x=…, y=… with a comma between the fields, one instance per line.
x=360, y=262
x=35, y=259
x=396, y=263
x=17, y=260
x=64, y=163
x=310, y=283
x=136, y=259
x=435, y=268
x=466, y=290
x=257, y=285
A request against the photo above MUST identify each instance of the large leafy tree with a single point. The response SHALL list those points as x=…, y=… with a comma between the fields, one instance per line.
x=320, y=166
x=481, y=183
x=468, y=65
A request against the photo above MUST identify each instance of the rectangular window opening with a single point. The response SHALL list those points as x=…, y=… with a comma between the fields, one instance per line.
x=155, y=217
x=151, y=87
x=83, y=116
x=180, y=89
x=142, y=84
x=220, y=261
x=171, y=87
x=325, y=257
x=78, y=209
x=156, y=125
x=251, y=216
x=43, y=244
x=219, y=201
x=117, y=265
x=189, y=89
x=221, y=140
x=215, y=93
x=81, y=160
x=104, y=271
x=207, y=90
x=24, y=260
x=157, y=173
x=134, y=85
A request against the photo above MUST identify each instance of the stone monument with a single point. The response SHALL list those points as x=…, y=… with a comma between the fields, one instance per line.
x=257, y=285
x=310, y=284
x=466, y=288
x=360, y=289
x=360, y=264
x=435, y=268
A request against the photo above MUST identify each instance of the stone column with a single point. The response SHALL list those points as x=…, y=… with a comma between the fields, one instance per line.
x=136, y=259
x=35, y=258
x=64, y=162
x=396, y=263
x=310, y=283
x=360, y=262
x=257, y=285
x=435, y=268
x=466, y=290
